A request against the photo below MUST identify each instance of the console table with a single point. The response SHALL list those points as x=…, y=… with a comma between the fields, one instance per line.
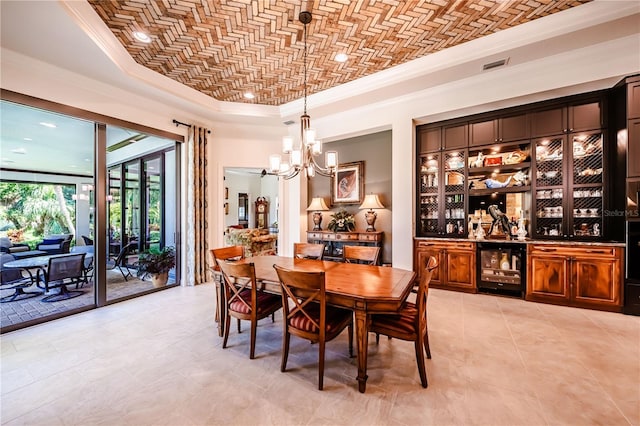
x=334, y=241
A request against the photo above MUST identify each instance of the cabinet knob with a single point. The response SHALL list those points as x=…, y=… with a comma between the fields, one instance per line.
x=564, y=130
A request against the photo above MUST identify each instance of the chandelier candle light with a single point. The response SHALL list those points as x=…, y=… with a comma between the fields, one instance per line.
x=303, y=156
x=371, y=202
x=317, y=206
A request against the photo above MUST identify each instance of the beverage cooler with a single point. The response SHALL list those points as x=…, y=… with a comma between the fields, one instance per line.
x=501, y=268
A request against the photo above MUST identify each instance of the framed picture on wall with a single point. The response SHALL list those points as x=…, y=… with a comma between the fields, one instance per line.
x=347, y=185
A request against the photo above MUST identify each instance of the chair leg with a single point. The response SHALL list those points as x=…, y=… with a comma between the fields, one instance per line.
x=124, y=275
x=420, y=360
x=321, y=365
x=285, y=350
x=252, y=352
x=426, y=343
x=227, y=325
x=377, y=338
x=239, y=330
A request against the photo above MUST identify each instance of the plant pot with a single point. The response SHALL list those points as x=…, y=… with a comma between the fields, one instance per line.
x=160, y=280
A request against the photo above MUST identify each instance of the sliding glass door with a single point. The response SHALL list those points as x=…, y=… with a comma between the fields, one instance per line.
x=73, y=184
x=142, y=208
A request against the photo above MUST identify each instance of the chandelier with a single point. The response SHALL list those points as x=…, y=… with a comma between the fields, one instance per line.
x=303, y=156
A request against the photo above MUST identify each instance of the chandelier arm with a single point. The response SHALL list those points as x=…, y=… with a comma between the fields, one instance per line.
x=324, y=171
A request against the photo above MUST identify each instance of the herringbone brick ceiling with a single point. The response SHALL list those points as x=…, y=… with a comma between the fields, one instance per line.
x=224, y=48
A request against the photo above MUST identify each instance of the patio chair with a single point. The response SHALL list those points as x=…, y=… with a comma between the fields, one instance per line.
x=56, y=244
x=8, y=246
x=88, y=262
x=120, y=261
x=62, y=271
x=13, y=279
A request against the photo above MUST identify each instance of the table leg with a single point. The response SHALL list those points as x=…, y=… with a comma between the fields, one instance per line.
x=362, y=339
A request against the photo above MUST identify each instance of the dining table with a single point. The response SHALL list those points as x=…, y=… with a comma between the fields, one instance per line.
x=364, y=289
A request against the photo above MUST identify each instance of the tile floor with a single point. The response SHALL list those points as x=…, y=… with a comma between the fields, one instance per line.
x=157, y=360
x=23, y=310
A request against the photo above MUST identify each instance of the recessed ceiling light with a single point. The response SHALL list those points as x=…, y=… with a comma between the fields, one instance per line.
x=27, y=139
x=341, y=57
x=8, y=161
x=249, y=95
x=50, y=125
x=140, y=36
x=19, y=151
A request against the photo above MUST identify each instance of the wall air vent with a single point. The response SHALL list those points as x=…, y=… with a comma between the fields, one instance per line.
x=496, y=64
x=288, y=122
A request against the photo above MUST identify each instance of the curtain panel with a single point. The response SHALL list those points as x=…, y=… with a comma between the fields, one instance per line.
x=196, y=244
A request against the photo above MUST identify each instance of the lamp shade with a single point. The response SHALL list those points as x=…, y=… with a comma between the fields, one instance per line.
x=317, y=205
x=371, y=201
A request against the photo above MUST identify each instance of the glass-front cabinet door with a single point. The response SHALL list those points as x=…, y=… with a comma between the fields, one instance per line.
x=568, y=186
x=549, y=191
x=442, y=193
x=454, y=193
x=587, y=185
x=429, y=192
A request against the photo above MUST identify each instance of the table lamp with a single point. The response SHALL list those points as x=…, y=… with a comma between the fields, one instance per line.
x=371, y=202
x=317, y=206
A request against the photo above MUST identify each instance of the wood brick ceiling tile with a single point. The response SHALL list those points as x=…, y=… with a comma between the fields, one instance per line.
x=224, y=48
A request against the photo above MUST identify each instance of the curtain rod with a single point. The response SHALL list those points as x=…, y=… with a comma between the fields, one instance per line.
x=180, y=123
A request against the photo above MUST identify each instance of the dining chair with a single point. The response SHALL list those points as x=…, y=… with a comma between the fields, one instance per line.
x=60, y=272
x=13, y=279
x=307, y=315
x=223, y=253
x=361, y=254
x=244, y=300
x=410, y=323
x=308, y=250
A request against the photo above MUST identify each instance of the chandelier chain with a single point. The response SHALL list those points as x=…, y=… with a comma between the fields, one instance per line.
x=304, y=61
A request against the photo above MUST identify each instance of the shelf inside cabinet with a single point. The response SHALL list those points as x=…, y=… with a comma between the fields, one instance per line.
x=504, y=168
x=488, y=191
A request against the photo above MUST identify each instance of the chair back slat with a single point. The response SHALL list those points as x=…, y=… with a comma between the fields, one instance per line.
x=301, y=290
x=237, y=278
x=308, y=250
x=361, y=254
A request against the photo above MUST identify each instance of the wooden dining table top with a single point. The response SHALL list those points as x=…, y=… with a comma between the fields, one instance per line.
x=361, y=284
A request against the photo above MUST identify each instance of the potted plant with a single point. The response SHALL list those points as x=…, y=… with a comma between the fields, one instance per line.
x=342, y=222
x=157, y=264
